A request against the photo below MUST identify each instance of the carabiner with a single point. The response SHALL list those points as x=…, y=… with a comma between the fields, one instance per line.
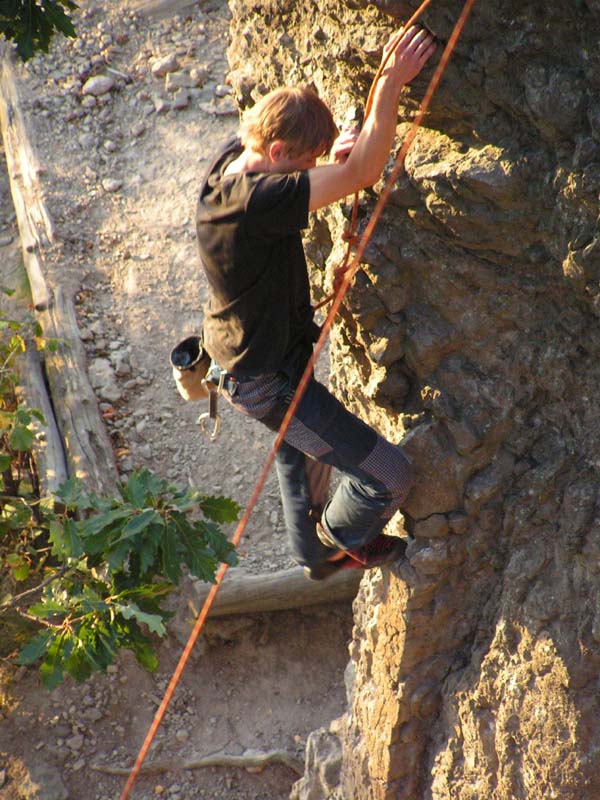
x=203, y=419
x=212, y=413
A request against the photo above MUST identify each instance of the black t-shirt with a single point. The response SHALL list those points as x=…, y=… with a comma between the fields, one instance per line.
x=248, y=226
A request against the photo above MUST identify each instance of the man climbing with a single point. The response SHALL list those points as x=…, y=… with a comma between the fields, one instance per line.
x=259, y=325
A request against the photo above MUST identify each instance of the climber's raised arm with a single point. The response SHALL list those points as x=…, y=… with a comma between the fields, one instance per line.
x=408, y=52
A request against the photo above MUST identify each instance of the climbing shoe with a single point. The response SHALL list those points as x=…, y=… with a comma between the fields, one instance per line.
x=329, y=568
x=382, y=550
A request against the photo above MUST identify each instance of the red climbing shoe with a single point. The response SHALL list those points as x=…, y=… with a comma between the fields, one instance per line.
x=322, y=571
x=382, y=550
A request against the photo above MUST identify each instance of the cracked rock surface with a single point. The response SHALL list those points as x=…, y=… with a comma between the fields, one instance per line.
x=472, y=330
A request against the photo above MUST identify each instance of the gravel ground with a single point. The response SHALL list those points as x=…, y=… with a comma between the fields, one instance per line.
x=124, y=121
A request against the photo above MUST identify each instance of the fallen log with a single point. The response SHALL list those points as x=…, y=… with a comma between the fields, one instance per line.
x=35, y=225
x=88, y=448
x=251, y=760
x=48, y=447
x=35, y=230
x=241, y=593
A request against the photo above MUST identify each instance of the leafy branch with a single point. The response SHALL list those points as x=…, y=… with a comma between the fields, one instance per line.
x=31, y=24
x=121, y=556
x=94, y=570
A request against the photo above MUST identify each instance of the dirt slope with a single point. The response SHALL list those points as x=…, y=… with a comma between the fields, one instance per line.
x=121, y=172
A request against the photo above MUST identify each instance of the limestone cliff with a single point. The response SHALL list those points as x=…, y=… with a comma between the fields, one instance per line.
x=474, y=330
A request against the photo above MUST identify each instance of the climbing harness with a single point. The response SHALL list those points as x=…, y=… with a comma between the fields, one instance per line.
x=350, y=270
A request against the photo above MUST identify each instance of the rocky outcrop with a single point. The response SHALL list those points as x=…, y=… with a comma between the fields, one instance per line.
x=473, y=330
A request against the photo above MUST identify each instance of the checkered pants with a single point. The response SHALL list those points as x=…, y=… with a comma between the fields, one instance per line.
x=376, y=475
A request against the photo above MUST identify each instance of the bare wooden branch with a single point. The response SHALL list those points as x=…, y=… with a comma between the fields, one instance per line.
x=88, y=448
x=241, y=593
x=35, y=224
x=251, y=759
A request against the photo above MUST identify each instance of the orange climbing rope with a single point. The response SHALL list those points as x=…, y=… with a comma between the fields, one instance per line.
x=350, y=271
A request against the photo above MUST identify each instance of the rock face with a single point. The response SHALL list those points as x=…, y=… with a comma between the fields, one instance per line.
x=473, y=330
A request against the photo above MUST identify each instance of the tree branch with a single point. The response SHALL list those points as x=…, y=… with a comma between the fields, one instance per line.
x=37, y=620
x=14, y=601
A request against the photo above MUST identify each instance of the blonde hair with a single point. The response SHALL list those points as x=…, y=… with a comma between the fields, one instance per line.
x=296, y=116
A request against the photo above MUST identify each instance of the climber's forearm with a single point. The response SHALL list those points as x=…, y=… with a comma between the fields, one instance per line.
x=373, y=146
x=367, y=158
x=404, y=57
